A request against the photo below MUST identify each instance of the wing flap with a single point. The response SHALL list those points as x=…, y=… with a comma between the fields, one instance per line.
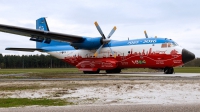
x=39, y=33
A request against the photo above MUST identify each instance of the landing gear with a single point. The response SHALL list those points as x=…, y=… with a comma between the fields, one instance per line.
x=168, y=70
x=116, y=70
x=91, y=72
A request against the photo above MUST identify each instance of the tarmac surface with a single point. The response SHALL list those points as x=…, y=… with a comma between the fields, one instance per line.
x=187, y=107
x=109, y=108
x=124, y=76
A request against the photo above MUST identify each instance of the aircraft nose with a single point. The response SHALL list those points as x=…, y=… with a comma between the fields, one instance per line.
x=187, y=56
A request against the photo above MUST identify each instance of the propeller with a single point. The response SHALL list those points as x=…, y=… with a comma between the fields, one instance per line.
x=147, y=35
x=104, y=39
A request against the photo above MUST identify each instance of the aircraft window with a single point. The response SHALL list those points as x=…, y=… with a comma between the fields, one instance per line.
x=169, y=45
x=172, y=44
x=164, y=45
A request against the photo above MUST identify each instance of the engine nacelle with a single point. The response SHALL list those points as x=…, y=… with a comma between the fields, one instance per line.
x=89, y=43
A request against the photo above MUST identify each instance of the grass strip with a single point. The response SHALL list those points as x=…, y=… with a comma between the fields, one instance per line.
x=49, y=72
x=16, y=102
x=187, y=69
x=41, y=70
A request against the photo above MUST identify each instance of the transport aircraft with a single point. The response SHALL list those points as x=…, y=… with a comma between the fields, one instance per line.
x=92, y=54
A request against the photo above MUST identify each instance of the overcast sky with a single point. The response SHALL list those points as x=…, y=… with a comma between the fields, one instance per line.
x=175, y=19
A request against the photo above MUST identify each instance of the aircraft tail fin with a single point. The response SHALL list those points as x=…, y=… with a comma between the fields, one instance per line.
x=41, y=24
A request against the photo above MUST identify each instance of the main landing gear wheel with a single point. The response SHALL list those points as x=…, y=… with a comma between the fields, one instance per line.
x=169, y=70
x=117, y=70
x=91, y=72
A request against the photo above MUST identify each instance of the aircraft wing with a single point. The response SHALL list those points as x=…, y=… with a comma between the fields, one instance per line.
x=25, y=49
x=39, y=33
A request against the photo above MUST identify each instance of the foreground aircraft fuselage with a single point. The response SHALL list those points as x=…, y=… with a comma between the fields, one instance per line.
x=94, y=54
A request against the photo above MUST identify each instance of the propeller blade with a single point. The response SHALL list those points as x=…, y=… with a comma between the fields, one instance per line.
x=145, y=34
x=114, y=55
x=112, y=31
x=99, y=29
x=98, y=50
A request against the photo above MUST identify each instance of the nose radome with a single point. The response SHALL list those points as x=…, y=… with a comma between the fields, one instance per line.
x=187, y=56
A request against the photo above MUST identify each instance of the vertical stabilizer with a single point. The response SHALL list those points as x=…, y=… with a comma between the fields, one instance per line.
x=41, y=24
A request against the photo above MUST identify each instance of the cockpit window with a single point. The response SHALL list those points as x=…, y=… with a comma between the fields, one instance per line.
x=174, y=43
x=169, y=44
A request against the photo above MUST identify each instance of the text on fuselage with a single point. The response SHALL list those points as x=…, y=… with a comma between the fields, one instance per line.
x=141, y=42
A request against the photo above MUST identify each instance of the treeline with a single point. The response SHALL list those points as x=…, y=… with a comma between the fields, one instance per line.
x=31, y=61
x=193, y=63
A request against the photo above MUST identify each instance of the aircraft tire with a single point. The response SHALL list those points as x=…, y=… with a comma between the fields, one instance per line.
x=91, y=72
x=96, y=72
x=108, y=71
x=116, y=70
x=165, y=70
x=86, y=72
x=169, y=70
x=172, y=70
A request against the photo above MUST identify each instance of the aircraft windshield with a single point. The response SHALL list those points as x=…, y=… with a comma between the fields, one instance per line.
x=169, y=44
x=174, y=43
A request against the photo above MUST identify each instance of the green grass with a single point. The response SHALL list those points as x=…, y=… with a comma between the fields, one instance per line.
x=60, y=72
x=39, y=73
x=18, y=87
x=16, y=102
x=187, y=69
x=42, y=70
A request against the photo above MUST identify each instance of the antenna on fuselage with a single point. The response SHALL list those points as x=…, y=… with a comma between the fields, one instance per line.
x=145, y=34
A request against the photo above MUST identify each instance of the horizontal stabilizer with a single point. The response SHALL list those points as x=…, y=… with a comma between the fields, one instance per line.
x=25, y=49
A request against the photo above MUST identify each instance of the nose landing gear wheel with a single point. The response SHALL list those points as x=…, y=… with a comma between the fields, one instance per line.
x=169, y=70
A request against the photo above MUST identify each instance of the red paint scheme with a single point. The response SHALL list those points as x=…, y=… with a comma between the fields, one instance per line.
x=99, y=63
x=150, y=59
